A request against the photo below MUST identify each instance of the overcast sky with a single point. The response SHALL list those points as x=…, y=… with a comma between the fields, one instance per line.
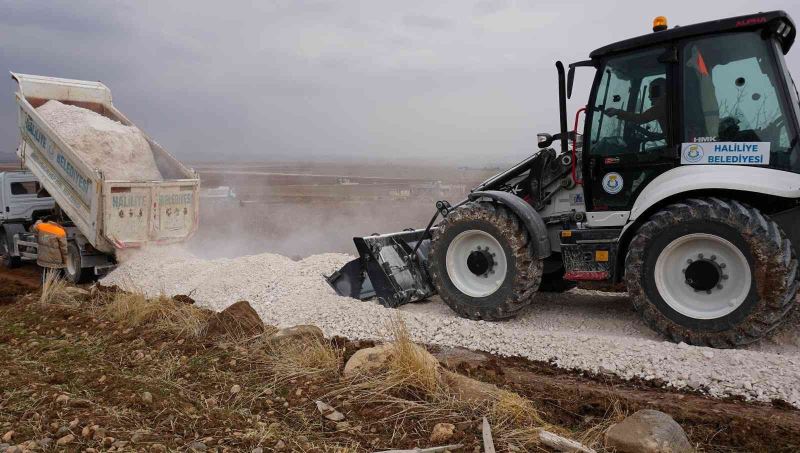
x=460, y=81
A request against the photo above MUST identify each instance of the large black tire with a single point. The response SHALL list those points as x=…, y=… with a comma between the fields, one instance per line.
x=9, y=261
x=73, y=271
x=770, y=261
x=523, y=269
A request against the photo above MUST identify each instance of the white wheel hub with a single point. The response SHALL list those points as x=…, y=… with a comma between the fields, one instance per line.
x=476, y=263
x=702, y=276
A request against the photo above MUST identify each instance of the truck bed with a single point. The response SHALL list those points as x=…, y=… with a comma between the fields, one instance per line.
x=111, y=214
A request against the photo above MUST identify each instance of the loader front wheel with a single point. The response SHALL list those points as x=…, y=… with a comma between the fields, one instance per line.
x=482, y=262
x=711, y=272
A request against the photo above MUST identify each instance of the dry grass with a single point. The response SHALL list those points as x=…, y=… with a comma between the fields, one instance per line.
x=410, y=365
x=303, y=359
x=54, y=290
x=593, y=436
x=161, y=313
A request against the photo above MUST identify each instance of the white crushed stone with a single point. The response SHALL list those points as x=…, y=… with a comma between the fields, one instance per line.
x=121, y=152
x=580, y=330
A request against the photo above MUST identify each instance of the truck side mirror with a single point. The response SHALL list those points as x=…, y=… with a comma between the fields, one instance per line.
x=545, y=140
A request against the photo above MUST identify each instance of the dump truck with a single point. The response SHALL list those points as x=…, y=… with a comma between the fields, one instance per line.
x=100, y=216
x=683, y=184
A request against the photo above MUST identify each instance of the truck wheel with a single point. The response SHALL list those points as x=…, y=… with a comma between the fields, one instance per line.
x=9, y=261
x=73, y=270
x=711, y=272
x=482, y=262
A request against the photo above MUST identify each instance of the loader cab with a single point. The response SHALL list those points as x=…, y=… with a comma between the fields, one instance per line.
x=716, y=93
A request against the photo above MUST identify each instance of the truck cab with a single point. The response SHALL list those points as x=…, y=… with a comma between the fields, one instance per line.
x=22, y=198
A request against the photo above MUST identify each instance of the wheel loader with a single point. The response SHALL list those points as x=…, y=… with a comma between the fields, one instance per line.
x=682, y=183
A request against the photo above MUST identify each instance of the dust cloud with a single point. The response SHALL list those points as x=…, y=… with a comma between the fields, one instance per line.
x=299, y=210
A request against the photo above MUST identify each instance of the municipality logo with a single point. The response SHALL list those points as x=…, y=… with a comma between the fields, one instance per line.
x=693, y=153
x=612, y=183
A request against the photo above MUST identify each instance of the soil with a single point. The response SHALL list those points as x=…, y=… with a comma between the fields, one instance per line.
x=105, y=368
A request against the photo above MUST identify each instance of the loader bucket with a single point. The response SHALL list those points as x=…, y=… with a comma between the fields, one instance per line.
x=388, y=269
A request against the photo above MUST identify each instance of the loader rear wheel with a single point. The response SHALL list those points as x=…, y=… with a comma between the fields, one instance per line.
x=711, y=272
x=482, y=262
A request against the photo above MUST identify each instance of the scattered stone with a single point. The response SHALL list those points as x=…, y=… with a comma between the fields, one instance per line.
x=65, y=440
x=74, y=423
x=63, y=399
x=238, y=320
x=45, y=442
x=158, y=448
x=8, y=436
x=280, y=445
x=120, y=444
x=197, y=446
x=108, y=441
x=236, y=389
x=147, y=398
x=62, y=431
x=442, y=432
x=257, y=450
x=648, y=431
x=86, y=432
x=329, y=412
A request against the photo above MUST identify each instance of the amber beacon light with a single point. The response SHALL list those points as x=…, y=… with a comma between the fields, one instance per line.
x=660, y=23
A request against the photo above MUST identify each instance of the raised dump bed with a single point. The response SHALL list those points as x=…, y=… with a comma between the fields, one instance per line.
x=110, y=214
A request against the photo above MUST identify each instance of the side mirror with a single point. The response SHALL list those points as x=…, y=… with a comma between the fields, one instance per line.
x=545, y=140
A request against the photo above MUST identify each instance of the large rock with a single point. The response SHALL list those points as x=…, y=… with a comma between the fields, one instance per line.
x=470, y=390
x=238, y=320
x=297, y=334
x=368, y=360
x=648, y=431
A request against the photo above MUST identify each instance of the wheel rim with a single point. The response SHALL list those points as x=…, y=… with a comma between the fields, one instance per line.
x=702, y=276
x=476, y=263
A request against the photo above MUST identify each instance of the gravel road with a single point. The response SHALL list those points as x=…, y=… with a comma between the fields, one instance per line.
x=580, y=330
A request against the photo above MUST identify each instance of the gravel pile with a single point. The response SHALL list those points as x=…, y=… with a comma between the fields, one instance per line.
x=581, y=330
x=121, y=152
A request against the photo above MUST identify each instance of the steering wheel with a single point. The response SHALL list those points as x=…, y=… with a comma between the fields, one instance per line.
x=649, y=135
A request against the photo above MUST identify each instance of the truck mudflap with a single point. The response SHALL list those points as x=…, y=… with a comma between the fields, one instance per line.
x=391, y=267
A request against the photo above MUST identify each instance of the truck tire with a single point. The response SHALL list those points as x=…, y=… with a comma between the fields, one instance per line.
x=73, y=271
x=482, y=262
x=711, y=272
x=9, y=261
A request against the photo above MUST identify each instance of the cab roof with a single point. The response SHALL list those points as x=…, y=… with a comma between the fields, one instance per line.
x=770, y=20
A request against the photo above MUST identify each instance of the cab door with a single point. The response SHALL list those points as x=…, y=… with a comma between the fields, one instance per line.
x=628, y=129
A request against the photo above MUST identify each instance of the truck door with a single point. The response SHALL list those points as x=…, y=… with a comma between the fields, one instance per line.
x=627, y=133
x=21, y=197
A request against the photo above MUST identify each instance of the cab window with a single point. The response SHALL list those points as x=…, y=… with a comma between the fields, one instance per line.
x=24, y=188
x=629, y=115
x=732, y=94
